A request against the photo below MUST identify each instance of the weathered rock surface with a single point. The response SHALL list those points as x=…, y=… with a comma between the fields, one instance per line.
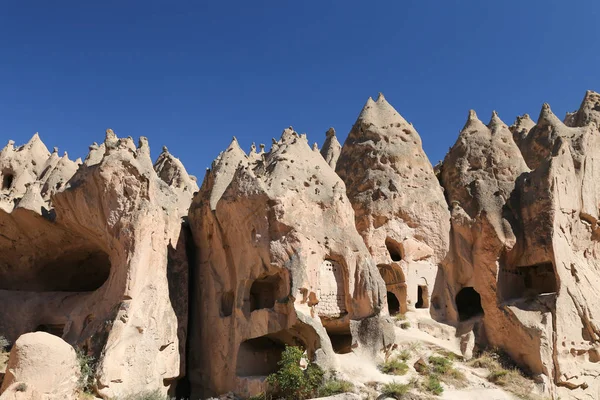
x=331, y=148
x=42, y=363
x=280, y=262
x=102, y=264
x=398, y=202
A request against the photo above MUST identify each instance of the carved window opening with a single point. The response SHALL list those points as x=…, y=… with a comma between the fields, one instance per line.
x=422, y=297
x=394, y=249
x=527, y=281
x=264, y=291
x=7, y=180
x=393, y=303
x=468, y=304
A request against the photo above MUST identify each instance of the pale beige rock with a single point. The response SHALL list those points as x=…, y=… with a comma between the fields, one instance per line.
x=331, y=148
x=44, y=363
x=280, y=262
x=102, y=263
x=400, y=208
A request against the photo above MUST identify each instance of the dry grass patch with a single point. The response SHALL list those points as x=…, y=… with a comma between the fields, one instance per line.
x=507, y=376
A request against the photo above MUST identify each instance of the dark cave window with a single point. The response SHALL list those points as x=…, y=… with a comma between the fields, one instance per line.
x=468, y=303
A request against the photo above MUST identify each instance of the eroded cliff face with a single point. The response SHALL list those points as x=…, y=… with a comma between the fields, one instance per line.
x=501, y=243
x=96, y=259
x=399, y=205
x=280, y=262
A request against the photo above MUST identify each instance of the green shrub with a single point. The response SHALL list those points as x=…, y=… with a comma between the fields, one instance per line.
x=433, y=385
x=400, y=317
x=291, y=382
x=335, y=386
x=87, y=367
x=395, y=390
x=440, y=365
x=260, y=396
x=394, y=367
x=404, y=355
x=405, y=325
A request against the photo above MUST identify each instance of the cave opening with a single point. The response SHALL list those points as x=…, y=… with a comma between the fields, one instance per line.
x=394, y=249
x=422, y=297
x=263, y=292
x=341, y=342
x=393, y=303
x=259, y=356
x=527, y=281
x=53, y=329
x=7, y=180
x=81, y=269
x=468, y=303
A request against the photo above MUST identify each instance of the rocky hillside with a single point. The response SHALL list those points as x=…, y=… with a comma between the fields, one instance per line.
x=475, y=279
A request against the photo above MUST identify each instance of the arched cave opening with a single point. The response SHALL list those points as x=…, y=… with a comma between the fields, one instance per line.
x=393, y=303
x=341, y=342
x=468, y=303
x=259, y=356
x=394, y=249
x=7, y=180
x=422, y=297
x=81, y=269
x=264, y=291
x=53, y=329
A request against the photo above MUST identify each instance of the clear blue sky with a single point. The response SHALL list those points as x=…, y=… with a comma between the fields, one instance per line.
x=190, y=74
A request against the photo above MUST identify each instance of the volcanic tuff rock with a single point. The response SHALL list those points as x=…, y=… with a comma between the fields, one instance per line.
x=282, y=250
x=46, y=364
x=399, y=206
x=280, y=262
x=102, y=263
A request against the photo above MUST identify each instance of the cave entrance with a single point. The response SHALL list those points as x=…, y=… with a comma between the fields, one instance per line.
x=468, y=304
x=527, y=281
x=393, y=303
x=53, y=329
x=264, y=291
x=394, y=249
x=82, y=269
x=259, y=356
x=422, y=297
x=7, y=180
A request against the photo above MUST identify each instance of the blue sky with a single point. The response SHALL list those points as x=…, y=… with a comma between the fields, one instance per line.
x=191, y=74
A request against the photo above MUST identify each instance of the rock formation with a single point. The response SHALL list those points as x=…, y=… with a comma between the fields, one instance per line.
x=331, y=148
x=45, y=364
x=399, y=205
x=280, y=262
x=128, y=261
x=102, y=262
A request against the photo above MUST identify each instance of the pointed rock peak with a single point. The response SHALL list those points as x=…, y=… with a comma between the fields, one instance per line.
x=110, y=134
x=288, y=134
x=380, y=98
x=165, y=150
x=473, y=122
x=381, y=114
x=253, y=148
x=34, y=138
x=66, y=155
x=330, y=132
x=315, y=146
x=78, y=161
x=273, y=141
x=495, y=121
x=262, y=147
x=54, y=150
x=235, y=146
x=546, y=115
x=303, y=136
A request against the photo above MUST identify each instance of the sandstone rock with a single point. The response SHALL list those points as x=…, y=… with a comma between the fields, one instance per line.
x=44, y=363
x=103, y=264
x=280, y=262
x=400, y=208
x=588, y=112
